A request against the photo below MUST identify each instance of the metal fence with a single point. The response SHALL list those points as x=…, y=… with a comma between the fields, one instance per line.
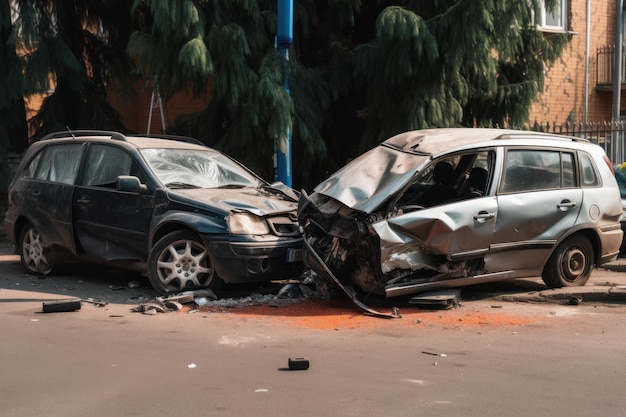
x=605, y=66
x=609, y=135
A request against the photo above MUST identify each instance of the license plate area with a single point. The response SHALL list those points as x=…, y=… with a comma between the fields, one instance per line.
x=293, y=255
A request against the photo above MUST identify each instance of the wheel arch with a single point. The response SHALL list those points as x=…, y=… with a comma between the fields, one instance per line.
x=20, y=223
x=593, y=238
x=197, y=224
x=166, y=229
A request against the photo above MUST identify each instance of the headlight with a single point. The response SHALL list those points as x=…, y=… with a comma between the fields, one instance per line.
x=247, y=224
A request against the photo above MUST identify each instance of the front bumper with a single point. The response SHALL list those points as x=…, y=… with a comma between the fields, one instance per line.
x=245, y=262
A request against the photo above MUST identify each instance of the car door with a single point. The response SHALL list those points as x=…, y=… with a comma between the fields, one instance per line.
x=458, y=229
x=49, y=193
x=538, y=201
x=111, y=224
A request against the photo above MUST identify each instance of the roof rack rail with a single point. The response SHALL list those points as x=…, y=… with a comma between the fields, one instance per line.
x=82, y=133
x=187, y=139
x=531, y=134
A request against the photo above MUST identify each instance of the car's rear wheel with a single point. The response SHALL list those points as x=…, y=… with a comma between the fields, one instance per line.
x=570, y=265
x=180, y=261
x=36, y=259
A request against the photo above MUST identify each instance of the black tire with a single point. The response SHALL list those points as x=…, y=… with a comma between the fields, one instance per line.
x=180, y=261
x=570, y=265
x=36, y=259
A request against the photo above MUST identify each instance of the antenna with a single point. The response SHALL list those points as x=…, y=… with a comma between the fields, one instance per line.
x=70, y=130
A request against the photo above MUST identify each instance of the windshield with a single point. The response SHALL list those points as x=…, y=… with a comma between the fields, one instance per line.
x=197, y=168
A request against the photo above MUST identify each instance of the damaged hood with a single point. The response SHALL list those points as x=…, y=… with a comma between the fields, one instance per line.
x=255, y=201
x=369, y=180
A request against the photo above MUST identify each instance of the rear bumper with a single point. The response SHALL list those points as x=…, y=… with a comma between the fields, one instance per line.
x=612, y=242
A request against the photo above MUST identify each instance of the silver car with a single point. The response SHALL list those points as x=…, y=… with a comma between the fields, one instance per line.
x=442, y=208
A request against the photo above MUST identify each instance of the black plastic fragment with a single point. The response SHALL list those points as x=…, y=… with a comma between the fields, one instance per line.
x=298, y=364
x=58, y=306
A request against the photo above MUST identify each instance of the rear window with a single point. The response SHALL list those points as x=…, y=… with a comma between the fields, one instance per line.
x=57, y=163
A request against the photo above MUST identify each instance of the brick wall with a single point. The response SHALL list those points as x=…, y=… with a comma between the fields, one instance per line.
x=564, y=89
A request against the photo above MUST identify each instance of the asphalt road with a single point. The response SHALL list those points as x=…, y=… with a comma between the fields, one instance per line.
x=488, y=357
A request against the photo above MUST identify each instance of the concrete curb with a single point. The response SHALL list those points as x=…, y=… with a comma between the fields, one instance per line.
x=617, y=266
x=571, y=296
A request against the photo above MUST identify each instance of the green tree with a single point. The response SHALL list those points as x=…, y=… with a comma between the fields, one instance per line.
x=359, y=71
x=13, y=130
x=223, y=47
x=73, y=48
x=450, y=63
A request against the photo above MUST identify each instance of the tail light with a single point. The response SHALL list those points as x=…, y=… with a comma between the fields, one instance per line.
x=608, y=162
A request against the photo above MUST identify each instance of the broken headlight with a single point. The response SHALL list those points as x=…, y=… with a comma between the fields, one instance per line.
x=247, y=224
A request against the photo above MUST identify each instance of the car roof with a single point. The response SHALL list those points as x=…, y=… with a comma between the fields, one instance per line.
x=434, y=141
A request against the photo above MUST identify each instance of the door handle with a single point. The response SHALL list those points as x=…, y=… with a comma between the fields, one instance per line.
x=566, y=205
x=483, y=216
x=83, y=200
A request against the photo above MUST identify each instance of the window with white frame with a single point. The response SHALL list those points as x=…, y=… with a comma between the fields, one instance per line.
x=555, y=19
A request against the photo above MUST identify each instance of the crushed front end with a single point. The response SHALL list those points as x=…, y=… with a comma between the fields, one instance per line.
x=341, y=248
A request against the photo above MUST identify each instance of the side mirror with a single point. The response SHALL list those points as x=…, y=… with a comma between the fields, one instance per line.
x=130, y=184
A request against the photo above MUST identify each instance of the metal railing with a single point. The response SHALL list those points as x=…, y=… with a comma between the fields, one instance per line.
x=611, y=136
x=605, y=66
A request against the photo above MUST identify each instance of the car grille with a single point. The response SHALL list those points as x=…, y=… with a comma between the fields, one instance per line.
x=284, y=225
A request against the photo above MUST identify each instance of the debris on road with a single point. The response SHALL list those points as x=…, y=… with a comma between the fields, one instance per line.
x=438, y=299
x=206, y=298
x=443, y=355
x=152, y=307
x=96, y=303
x=575, y=300
x=58, y=306
x=298, y=364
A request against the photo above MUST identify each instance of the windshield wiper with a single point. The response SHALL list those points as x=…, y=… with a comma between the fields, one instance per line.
x=232, y=186
x=180, y=185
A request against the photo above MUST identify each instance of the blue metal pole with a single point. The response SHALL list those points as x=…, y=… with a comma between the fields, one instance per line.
x=284, y=38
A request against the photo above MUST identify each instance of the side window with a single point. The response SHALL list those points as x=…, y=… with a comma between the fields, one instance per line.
x=31, y=168
x=533, y=170
x=589, y=177
x=477, y=175
x=104, y=164
x=569, y=174
x=60, y=163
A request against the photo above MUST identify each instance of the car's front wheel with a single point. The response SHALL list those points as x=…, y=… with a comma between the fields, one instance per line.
x=179, y=261
x=570, y=265
x=36, y=259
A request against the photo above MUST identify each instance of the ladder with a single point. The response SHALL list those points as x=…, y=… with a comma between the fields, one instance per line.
x=156, y=102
